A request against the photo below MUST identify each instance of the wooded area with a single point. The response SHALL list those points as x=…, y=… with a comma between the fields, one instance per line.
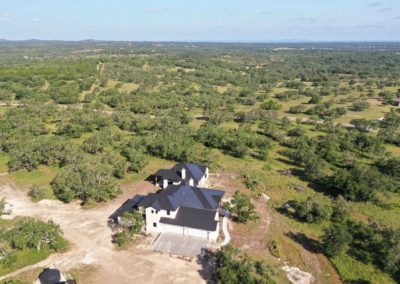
x=322, y=120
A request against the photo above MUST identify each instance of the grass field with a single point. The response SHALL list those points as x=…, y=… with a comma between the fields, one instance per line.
x=25, y=257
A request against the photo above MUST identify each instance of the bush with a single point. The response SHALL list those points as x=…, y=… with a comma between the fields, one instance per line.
x=297, y=109
x=360, y=106
x=36, y=193
x=312, y=210
x=270, y=105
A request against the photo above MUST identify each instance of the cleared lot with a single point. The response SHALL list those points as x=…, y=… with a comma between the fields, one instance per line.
x=179, y=245
x=90, y=239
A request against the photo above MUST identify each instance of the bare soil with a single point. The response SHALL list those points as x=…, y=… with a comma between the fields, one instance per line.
x=90, y=239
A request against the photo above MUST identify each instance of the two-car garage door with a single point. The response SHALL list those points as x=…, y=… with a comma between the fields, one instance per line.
x=197, y=233
x=185, y=231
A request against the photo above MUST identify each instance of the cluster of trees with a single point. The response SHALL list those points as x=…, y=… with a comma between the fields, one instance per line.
x=333, y=162
x=232, y=267
x=28, y=233
x=90, y=180
x=368, y=243
x=235, y=142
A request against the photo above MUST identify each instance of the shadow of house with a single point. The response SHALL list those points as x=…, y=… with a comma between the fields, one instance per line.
x=307, y=243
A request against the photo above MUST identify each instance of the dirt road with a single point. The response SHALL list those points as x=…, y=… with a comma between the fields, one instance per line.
x=90, y=239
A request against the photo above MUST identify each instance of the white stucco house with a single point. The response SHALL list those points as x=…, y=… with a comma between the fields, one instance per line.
x=183, y=173
x=181, y=206
x=183, y=209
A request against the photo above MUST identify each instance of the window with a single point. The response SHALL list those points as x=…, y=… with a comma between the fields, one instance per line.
x=152, y=211
x=154, y=224
x=168, y=212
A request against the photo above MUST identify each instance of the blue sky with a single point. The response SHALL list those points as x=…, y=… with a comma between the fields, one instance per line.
x=201, y=20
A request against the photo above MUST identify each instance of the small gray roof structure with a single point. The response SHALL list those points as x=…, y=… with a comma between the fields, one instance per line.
x=175, y=196
x=193, y=218
x=193, y=171
x=128, y=206
x=50, y=276
x=168, y=174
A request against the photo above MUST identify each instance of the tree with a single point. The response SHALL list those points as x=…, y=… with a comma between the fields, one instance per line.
x=360, y=105
x=313, y=209
x=89, y=181
x=31, y=233
x=233, y=268
x=359, y=183
x=336, y=239
x=315, y=168
x=390, y=166
x=270, y=105
x=242, y=207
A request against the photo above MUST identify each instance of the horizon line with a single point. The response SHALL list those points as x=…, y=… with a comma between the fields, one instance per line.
x=204, y=41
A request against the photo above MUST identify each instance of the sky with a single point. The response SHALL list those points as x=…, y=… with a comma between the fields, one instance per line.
x=201, y=20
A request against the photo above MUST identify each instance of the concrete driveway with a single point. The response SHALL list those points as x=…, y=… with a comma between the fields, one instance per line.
x=179, y=245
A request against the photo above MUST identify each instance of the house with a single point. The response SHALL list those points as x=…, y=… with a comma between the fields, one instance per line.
x=183, y=173
x=184, y=210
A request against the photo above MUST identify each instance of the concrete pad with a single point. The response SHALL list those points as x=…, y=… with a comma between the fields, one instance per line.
x=179, y=244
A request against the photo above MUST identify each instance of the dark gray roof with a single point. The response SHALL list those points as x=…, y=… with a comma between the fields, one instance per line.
x=50, y=276
x=193, y=218
x=128, y=205
x=194, y=171
x=175, y=196
x=168, y=174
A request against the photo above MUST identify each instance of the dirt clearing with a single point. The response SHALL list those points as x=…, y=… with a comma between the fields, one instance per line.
x=90, y=238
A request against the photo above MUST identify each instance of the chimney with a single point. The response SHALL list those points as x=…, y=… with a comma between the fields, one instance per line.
x=183, y=173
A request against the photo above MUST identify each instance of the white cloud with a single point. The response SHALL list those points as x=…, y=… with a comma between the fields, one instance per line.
x=385, y=9
x=5, y=17
x=374, y=4
x=35, y=19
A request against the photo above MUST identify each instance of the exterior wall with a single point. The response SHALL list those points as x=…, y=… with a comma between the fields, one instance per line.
x=155, y=218
x=213, y=235
x=164, y=183
x=204, y=178
x=152, y=216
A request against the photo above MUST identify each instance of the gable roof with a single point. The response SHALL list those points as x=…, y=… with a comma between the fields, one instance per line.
x=193, y=218
x=175, y=196
x=194, y=171
x=168, y=174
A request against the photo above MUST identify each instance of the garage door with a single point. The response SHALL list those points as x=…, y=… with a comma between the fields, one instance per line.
x=173, y=229
x=197, y=233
